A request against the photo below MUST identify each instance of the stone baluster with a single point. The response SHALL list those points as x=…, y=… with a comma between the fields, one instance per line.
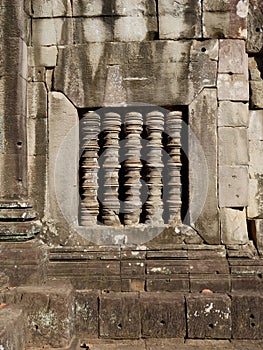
x=154, y=202
x=89, y=207
x=133, y=123
x=173, y=130
x=111, y=166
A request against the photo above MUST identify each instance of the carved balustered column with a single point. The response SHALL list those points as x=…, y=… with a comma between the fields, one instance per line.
x=111, y=166
x=89, y=207
x=173, y=130
x=133, y=123
x=154, y=203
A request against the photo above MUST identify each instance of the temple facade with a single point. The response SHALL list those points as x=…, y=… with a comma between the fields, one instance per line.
x=131, y=142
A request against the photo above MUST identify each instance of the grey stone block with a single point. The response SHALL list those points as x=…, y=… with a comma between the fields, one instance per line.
x=203, y=165
x=233, y=57
x=94, y=29
x=233, y=87
x=53, y=8
x=233, y=186
x=233, y=146
x=179, y=19
x=255, y=25
x=233, y=114
x=45, y=56
x=52, y=31
x=209, y=316
x=233, y=226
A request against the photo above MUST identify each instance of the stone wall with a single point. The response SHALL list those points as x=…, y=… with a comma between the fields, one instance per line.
x=203, y=55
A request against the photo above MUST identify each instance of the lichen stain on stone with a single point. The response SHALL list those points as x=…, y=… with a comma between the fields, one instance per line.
x=45, y=319
x=242, y=8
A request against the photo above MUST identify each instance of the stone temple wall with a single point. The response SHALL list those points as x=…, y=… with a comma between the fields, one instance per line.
x=60, y=58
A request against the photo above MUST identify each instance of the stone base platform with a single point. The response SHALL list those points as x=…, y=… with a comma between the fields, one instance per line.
x=164, y=344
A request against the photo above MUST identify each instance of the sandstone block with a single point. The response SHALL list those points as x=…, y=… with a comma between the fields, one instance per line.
x=45, y=56
x=179, y=19
x=13, y=332
x=63, y=158
x=163, y=315
x=233, y=186
x=134, y=8
x=53, y=8
x=259, y=234
x=233, y=57
x=247, y=315
x=120, y=315
x=97, y=29
x=36, y=100
x=17, y=62
x=37, y=136
x=49, y=312
x=123, y=28
x=233, y=226
x=256, y=88
x=209, y=316
x=254, y=70
x=255, y=158
x=255, y=26
x=86, y=312
x=139, y=64
x=203, y=178
x=12, y=95
x=92, y=8
x=225, y=19
x=255, y=207
x=233, y=114
x=52, y=31
x=233, y=146
x=233, y=87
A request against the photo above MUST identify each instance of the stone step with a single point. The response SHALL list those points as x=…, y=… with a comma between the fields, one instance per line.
x=13, y=331
x=157, y=344
x=134, y=315
x=49, y=312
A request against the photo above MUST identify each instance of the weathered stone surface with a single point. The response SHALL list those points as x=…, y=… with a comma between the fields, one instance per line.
x=37, y=135
x=233, y=87
x=225, y=19
x=233, y=146
x=216, y=282
x=203, y=179
x=233, y=186
x=134, y=7
x=63, y=159
x=17, y=62
x=94, y=29
x=233, y=57
x=146, y=28
x=179, y=19
x=13, y=332
x=256, y=93
x=255, y=26
x=119, y=315
x=233, y=226
x=247, y=316
x=49, y=312
x=209, y=316
x=163, y=315
x=86, y=312
x=233, y=114
x=259, y=234
x=16, y=87
x=37, y=74
x=82, y=71
x=31, y=271
x=36, y=100
x=52, y=31
x=255, y=135
x=42, y=56
x=92, y=8
x=54, y=8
